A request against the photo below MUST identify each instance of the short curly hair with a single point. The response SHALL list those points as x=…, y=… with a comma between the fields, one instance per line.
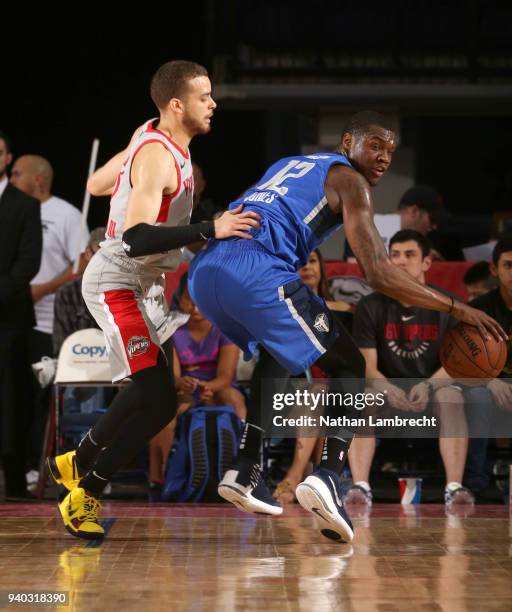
x=360, y=123
x=170, y=80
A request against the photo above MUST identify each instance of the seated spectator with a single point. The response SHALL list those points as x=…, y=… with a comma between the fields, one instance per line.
x=489, y=408
x=204, y=209
x=314, y=276
x=70, y=312
x=421, y=209
x=71, y=315
x=479, y=280
x=389, y=334
x=204, y=362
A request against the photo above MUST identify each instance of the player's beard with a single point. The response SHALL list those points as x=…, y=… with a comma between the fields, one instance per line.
x=194, y=126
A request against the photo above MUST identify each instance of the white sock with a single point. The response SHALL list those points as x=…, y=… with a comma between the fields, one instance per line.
x=451, y=486
x=364, y=485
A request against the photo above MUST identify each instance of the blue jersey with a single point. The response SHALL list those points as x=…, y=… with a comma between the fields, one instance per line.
x=290, y=197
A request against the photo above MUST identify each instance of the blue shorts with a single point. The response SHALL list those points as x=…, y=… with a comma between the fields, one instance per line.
x=255, y=298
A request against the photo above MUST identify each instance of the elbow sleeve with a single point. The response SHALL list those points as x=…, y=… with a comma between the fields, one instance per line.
x=144, y=239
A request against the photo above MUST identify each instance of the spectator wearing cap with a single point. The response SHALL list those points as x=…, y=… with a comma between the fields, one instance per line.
x=479, y=280
x=421, y=209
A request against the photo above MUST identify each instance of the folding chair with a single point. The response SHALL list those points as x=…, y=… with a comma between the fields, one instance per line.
x=82, y=362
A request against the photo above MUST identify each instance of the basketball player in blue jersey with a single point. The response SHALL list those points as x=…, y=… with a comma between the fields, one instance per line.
x=252, y=292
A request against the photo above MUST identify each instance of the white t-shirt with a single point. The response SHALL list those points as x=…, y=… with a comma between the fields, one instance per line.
x=61, y=237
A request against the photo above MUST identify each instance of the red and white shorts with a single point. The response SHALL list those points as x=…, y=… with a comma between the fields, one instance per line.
x=127, y=301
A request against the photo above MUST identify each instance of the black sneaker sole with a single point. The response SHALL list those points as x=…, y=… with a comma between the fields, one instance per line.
x=314, y=499
x=84, y=536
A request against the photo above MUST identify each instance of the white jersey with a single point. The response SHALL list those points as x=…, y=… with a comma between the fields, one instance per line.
x=175, y=208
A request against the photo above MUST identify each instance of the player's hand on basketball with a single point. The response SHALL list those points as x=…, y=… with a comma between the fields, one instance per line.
x=502, y=393
x=419, y=396
x=236, y=223
x=486, y=325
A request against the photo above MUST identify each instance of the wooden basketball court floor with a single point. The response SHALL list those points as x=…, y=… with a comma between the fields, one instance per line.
x=213, y=557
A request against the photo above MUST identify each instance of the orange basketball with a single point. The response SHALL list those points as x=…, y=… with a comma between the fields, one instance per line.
x=465, y=354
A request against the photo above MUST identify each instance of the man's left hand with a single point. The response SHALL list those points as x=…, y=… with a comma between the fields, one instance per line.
x=419, y=396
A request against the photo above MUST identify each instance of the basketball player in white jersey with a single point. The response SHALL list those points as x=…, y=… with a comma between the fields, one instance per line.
x=151, y=185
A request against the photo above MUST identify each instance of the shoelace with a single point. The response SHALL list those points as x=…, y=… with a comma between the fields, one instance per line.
x=91, y=508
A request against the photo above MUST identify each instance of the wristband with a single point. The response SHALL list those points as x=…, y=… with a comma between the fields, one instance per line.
x=207, y=229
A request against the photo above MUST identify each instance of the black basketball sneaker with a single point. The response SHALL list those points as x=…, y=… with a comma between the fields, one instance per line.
x=320, y=495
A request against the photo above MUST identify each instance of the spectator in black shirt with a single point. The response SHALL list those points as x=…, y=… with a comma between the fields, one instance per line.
x=20, y=257
x=489, y=409
x=479, y=280
x=204, y=209
x=402, y=341
x=421, y=208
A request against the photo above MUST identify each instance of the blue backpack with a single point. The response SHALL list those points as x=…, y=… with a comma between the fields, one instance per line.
x=205, y=444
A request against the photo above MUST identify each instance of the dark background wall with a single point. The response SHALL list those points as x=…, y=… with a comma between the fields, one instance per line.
x=61, y=91
x=57, y=111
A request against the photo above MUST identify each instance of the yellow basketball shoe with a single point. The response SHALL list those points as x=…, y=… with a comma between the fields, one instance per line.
x=64, y=470
x=79, y=512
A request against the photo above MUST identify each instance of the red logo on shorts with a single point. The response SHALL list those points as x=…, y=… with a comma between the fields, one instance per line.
x=137, y=345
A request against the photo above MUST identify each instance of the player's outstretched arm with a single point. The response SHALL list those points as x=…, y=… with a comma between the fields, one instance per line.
x=355, y=201
x=102, y=181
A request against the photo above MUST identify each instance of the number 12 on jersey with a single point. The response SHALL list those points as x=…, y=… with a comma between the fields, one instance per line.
x=294, y=169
